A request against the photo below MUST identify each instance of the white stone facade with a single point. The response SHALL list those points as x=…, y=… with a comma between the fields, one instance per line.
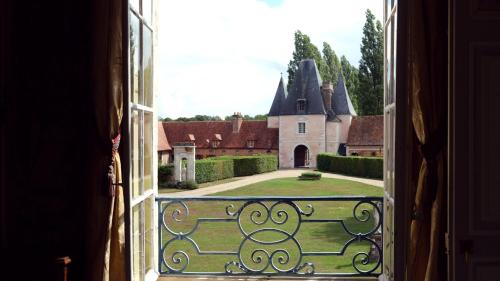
x=320, y=136
x=290, y=138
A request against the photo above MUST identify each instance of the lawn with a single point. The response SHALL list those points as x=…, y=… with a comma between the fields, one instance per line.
x=223, y=236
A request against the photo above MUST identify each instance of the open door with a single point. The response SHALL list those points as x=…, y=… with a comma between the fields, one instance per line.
x=474, y=189
x=396, y=127
x=142, y=162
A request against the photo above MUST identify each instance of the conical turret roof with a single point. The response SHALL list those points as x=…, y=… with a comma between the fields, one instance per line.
x=341, y=103
x=279, y=99
x=306, y=85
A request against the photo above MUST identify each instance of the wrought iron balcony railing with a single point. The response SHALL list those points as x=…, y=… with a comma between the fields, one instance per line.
x=271, y=236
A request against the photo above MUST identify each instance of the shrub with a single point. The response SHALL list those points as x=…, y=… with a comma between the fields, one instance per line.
x=368, y=167
x=165, y=172
x=208, y=170
x=310, y=176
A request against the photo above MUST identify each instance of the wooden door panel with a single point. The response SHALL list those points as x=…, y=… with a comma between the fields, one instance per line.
x=474, y=202
x=484, y=270
x=484, y=99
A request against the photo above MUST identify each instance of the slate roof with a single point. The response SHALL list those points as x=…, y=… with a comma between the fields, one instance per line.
x=279, y=99
x=366, y=130
x=265, y=138
x=162, y=139
x=341, y=103
x=306, y=85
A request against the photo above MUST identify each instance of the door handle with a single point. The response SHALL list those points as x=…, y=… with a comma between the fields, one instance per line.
x=466, y=247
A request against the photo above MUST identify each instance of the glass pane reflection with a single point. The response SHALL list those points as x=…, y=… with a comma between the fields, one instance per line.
x=148, y=151
x=134, y=57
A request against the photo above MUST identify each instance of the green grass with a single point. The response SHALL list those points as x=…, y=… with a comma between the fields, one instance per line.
x=321, y=237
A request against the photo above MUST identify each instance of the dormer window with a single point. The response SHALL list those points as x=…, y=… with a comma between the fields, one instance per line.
x=215, y=143
x=301, y=105
x=250, y=143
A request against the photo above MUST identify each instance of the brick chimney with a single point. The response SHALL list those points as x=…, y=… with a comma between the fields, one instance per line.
x=237, y=120
x=327, y=92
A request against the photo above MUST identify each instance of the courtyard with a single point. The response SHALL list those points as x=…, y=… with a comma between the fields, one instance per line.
x=273, y=223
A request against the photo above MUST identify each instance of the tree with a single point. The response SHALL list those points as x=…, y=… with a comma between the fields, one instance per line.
x=304, y=49
x=350, y=74
x=260, y=117
x=332, y=64
x=370, y=94
x=248, y=117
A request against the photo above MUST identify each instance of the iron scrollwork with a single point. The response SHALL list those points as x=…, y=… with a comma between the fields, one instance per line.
x=259, y=218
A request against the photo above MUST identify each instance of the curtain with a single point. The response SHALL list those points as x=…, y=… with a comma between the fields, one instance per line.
x=105, y=223
x=428, y=103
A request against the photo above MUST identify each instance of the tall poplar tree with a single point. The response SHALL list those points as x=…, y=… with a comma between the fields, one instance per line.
x=371, y=86
x=332, y=64
x=304, y=49
x=350, y=74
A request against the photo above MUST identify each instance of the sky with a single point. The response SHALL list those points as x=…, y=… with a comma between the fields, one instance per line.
x=217, y=57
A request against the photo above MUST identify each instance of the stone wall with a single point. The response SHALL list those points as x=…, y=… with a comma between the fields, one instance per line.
x=273, y=122
x=332, y=136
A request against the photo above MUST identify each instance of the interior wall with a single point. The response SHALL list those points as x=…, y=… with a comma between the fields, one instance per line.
x=46, y=127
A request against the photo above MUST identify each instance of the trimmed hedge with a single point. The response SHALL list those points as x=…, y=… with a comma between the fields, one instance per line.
x=367, y=167
x=251, y=165
x=208, y=170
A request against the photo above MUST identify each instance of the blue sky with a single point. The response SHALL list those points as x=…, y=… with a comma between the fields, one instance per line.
x=216, y=57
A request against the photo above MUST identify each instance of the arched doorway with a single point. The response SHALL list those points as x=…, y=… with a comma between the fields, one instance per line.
x=301, y=156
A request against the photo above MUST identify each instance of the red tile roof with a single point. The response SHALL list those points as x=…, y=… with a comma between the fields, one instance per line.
x=162, y=139
x=257, y=130
x=366, y=130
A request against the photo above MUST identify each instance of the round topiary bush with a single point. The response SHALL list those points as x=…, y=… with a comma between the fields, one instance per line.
x=310, y=176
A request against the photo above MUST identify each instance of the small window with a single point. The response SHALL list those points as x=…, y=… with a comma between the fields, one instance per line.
x=302, y=127
x=301, y=105
x=250, y=143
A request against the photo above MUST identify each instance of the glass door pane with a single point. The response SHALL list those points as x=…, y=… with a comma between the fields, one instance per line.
x=135, y=153
x=148, y=151
x=135, y=40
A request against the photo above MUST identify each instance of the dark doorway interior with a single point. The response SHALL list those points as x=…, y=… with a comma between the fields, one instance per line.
x=301, y=156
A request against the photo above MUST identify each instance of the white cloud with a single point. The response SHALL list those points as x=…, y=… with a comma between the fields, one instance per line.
x=220, y=56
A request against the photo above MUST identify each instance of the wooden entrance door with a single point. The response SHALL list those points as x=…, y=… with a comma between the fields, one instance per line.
x=300, y=156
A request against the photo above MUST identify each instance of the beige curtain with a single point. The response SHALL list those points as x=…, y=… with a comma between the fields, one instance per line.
x=428, y=102
x=106, y=233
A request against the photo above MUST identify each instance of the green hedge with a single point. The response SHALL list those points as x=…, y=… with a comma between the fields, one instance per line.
x=164, y=172
x=251, y=165
x=367, y=167
x=208, y=170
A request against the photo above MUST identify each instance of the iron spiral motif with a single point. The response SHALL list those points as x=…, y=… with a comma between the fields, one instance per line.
x=268, y=228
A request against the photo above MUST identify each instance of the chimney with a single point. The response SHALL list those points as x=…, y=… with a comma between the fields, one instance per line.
x=237, y=120
x=327, y=92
